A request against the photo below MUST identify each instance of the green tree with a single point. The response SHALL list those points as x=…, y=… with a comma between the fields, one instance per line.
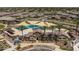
x=59, y=26
x=52, y=27
x=44, y=27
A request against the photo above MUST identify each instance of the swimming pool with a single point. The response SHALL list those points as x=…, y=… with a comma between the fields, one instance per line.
x=34, y=27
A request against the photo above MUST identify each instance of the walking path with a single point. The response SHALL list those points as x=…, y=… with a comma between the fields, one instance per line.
x=52, y=45
x=11, y=44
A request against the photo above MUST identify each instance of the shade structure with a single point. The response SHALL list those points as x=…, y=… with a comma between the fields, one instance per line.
x=22, y=24
x=40, y=23
x=7, y=18
x=47, y=24
x=27, y=23
x=33, y=22
x=50, y=24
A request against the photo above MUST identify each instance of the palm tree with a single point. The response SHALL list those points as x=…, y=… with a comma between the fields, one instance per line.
x=59, y=26
x=44, y=29
x=55, y=38
x=22, y=28
x=52, y=27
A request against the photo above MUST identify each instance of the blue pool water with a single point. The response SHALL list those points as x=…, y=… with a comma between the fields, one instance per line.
x=34, y=27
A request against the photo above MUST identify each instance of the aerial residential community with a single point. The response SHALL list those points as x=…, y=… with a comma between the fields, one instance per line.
x=39, y=29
